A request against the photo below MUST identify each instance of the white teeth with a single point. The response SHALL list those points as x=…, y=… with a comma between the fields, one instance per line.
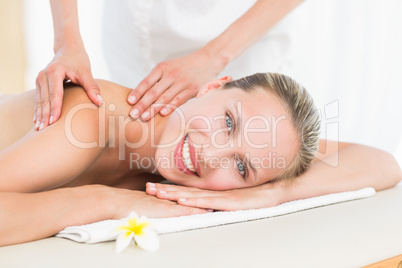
x=186, y=156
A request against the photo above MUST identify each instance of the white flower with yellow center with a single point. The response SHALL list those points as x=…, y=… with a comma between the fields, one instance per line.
x=139, y=230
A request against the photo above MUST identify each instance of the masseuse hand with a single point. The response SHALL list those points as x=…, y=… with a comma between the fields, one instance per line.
x=171, y=83
x=266, y=195
x=69, y=62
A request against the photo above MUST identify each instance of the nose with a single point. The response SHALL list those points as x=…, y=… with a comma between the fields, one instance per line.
x=214, y=158
x=213, y=149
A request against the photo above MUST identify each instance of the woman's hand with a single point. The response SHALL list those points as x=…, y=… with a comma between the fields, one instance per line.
x=266, y=195
x=70, y=62
x=171, y=83
x=126, y=201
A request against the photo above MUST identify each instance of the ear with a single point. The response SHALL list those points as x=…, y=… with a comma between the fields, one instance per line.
x=213, y=85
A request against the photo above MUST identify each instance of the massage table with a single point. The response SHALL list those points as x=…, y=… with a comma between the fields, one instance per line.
x=348, y=234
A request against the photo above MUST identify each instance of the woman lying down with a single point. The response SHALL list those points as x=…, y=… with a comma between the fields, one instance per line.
x=249, y=143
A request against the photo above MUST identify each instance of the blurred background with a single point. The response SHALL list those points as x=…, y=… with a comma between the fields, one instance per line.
x=347, y=53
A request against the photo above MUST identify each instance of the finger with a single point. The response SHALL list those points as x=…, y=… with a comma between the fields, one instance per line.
x=209, y=202
x=147, y=83
x=152, y=190
x=194, y=210
x=148, y=98
x=169, y=187
x=176, y=195
x=179, y=210
x=37, y=110
x=178, y=100
x=44, y=102
x=56, y=95
x=162, y=101
x=88, y=83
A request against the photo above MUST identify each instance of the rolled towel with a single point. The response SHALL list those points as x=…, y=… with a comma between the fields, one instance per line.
x=105, y=230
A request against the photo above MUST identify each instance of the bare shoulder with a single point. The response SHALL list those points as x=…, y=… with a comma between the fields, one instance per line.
x=107, y=88
x=111, y=93
x=115, y=97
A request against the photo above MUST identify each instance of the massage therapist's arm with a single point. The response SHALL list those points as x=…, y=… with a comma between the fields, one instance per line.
x=177, y=80
x=70, y=61
x=353, y=167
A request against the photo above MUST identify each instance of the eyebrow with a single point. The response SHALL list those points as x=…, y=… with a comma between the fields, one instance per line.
x=236, y=130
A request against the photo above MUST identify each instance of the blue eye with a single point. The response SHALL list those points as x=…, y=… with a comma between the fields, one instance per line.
x=229, y=122
x=241, y=167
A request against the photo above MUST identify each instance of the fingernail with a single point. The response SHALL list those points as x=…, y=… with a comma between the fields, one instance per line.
x=150, y=184
x=41, y=126
x=152, y=188
x=100, y=99
x=51, y=120
x=37, y=124
x=134, y=113
x=182, y=199
x=164, y=111
x=132, y=99
x=163, y=192
x=210, y=210
x=145, y=115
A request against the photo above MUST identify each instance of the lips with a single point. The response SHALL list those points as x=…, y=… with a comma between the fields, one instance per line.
x=179, y=159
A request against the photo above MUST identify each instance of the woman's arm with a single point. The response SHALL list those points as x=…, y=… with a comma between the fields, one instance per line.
x=338, y=168
x=173, y=82
x=30, y=216
x=248, y=29
x=353, y=167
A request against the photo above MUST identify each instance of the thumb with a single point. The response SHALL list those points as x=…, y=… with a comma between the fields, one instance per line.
x=92, y=89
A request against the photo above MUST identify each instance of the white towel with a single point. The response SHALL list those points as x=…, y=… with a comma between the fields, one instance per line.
x=105, y=230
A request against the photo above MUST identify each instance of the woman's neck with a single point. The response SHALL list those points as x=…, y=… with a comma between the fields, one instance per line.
x=141, y=153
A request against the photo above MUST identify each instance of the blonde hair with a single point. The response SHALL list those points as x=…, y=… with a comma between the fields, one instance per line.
x=301, y=109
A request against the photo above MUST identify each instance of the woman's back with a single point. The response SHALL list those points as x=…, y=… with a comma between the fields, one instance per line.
x=64, y=153
x=16, y=112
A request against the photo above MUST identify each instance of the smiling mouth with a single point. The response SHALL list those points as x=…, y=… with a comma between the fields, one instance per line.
x=185, y=157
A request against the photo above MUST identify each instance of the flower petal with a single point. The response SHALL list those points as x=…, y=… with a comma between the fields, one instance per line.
x=132, y=214
x=149, y=240
x=123, y=241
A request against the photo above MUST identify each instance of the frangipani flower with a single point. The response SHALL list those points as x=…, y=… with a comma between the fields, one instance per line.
x=139, y=230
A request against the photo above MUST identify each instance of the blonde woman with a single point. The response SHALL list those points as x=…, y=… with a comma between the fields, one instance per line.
x=241, y=144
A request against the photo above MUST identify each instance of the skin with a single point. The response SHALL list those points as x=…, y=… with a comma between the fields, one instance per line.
x=104, y=164
x=171, y=83
x=65, y=184
x=206, y=127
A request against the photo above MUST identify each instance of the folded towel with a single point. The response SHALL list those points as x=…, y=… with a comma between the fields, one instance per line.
x=105, y=230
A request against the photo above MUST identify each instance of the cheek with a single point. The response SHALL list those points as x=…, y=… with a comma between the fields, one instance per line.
x=222, y=179
x=163, y=162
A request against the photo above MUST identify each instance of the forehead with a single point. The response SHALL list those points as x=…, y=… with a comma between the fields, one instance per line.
x=265, y=131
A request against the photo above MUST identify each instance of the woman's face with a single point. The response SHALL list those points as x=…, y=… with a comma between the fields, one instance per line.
x=226, y=139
